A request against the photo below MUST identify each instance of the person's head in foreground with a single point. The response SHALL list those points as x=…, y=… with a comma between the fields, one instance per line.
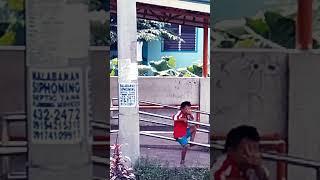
x=242, y=159
x=185, y=107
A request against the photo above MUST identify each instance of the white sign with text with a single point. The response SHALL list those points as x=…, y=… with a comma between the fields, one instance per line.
x=57, y=101
x=127, y=94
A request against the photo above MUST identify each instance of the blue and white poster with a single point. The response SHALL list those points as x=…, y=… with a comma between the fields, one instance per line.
x=127, y=95
x=56, y=111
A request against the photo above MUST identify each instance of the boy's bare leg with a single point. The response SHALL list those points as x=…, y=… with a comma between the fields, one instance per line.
x=193, y=130
x=183, y=154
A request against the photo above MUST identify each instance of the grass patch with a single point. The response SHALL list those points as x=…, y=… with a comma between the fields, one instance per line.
x=150, y=169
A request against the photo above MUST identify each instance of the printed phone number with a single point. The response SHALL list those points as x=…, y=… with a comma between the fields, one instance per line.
x=58, y=136
x=56, y=119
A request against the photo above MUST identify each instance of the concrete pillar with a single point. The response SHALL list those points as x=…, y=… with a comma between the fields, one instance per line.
x=204, y=98
x=205, y=101
x=128, y=79
x=205, y=51
x=304, y=114
x=58, y=108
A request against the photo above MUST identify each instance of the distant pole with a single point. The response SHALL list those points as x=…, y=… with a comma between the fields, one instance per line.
x=128, y=79
x=205, y=51
x=304, y=25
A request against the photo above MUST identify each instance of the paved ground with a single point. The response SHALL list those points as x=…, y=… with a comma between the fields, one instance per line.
x=171, y=157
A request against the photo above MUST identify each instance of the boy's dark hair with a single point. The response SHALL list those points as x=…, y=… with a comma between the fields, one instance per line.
x=235, y=136
x=184, y=104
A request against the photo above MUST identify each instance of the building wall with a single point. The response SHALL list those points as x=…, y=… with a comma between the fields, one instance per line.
x=183, y=58
x=170, y=91
x=250, y=87
x=304, y=139
x=12, y=82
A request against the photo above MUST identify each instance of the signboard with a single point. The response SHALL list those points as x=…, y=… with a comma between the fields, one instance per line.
x=56, y=105
x=127, y=95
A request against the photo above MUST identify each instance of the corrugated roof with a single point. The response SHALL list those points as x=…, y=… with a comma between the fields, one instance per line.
x=172, y=11
x=187, y=5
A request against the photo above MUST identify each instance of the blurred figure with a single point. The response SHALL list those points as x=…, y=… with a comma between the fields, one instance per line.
x=241, y=159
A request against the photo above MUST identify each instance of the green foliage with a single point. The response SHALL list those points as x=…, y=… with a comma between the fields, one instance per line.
x=171, y=61
x=148, y=169
x=100, y=25
x=114, y=67
x=259, y=26
x=99, y=33
x=3, y=28
x=246, y=43
x=8, y=38
x=282, y=29
x=145, y=70
x=164, y=67
x=161, y=65
x=195, y=69
x=184, y=72
x=97, y=5
x=12, y=27
x=147, y=30
x=272, y=30
x=166, y=63
x=16, y=5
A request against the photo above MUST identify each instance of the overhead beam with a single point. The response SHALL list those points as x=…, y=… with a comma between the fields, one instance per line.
x=190, y=15
x=190, y=6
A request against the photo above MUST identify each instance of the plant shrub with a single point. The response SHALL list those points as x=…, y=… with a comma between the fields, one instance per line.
x=148, y=169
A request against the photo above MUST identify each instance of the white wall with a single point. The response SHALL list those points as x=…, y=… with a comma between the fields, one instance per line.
x=171, y=91
x=304, y=112
x=250, y=88
x=164, y=90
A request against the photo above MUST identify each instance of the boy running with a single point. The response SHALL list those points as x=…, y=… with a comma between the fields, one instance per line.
x=241, y=159
x=181, y=130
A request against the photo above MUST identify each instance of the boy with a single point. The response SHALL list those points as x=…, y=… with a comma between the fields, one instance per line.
x=181, y=131
x=241, y=159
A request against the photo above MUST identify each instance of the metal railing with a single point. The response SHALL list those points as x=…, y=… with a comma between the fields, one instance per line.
x=167, y=124
x=172, y=107
x=116, y=108
x=170, y=118
x=171, y=139
x=10, y=148
x=164, y=105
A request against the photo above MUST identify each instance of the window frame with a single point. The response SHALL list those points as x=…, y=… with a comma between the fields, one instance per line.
x=184, y=51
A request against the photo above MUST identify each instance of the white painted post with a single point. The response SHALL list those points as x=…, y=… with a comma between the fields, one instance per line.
x=128, y=79
x=59, y=142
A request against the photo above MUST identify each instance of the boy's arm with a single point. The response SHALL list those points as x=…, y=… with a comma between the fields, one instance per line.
x=182, y=119
x=191, y=116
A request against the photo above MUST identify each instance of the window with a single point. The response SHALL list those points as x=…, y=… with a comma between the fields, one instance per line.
x=187, y=33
